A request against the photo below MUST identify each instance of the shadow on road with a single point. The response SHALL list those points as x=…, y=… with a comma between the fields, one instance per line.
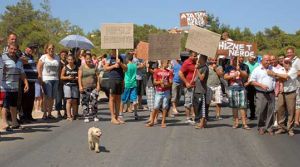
x=103, y=149
x=10, y=138
x=36, y=128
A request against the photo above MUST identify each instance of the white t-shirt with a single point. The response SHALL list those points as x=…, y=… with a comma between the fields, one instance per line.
x=50, y=68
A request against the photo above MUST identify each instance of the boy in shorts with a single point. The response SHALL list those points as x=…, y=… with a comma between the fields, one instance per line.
x=163, y=79
x=130, y=91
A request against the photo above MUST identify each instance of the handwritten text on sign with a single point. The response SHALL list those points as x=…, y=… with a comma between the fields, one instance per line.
x=234, y=48
x=193, y=18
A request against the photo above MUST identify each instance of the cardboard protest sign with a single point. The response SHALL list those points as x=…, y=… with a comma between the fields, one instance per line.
x=142, y=50
x=117, y=36
x=237, y=48
x=164, y=46
x=203, y=41
x=193, y=18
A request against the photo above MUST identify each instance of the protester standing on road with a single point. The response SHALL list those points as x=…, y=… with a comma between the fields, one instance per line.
x=150, y=89
x=163, y=79
x=199, y=99
x=115, y=66
x=290, y=53
x=252, y=64
x=89, y=88
x=176, y=87
x=265, y=97
x=130, y=91
x=32, y=77
x=286, y=104
x=12, y=73
x=69, y=76
x=214, y=90
x=60, y=103
x=48, y=75
x=186, y=74
x=235, y=74
x=139, y=78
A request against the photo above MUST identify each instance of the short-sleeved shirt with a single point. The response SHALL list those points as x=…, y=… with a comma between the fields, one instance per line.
x=162, y=74
x=291, y=84
x=213, y=78
x=296, y=66
x=150, y=75
x=176, y=69
x=50, y=68
x=188, y=69
x=116, y=73
x=30, y=69
x=12, y=71
x=260, y=75
x=130, y=76
x=73, y=73
x=252, y=66
x=237, y=81
x=139, y=73
x=201, y=86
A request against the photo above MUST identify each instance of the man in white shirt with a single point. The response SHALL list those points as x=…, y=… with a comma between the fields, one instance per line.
x=265, y=97
x=287, y=97
x=290, y=53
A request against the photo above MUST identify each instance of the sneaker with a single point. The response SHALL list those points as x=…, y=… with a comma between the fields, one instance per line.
x=190, y=121
x=96, y=119
x=86, y=120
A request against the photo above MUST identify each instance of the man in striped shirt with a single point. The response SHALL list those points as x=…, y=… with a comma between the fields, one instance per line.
x=30, y=70
x=12, y=73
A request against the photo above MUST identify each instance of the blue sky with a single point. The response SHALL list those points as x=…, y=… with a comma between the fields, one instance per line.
x=255, y=14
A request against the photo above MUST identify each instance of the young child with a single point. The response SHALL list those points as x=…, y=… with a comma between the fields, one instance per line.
x=69, y=75
x=163, y=79
x=89, y=88
x=130, y=91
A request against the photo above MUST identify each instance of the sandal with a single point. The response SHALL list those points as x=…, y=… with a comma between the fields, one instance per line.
x=44, y=117
x=246, y=127
x=6, y=129
x=163, y=125
x=149, y=125
x=235, y=126
x=16, y=127
x=69, y=119
x=51, y=117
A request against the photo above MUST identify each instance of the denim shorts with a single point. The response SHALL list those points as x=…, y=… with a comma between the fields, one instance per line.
x=37, y=89
x=162, y=98
x=129, y=95
x=51, y=88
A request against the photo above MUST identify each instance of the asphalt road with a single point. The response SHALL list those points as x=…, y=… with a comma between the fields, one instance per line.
x=64, y=144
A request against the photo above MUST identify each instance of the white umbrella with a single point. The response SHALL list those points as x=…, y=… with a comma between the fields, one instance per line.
x=77, y=41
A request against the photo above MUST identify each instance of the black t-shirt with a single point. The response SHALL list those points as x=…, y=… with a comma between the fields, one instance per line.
x=116, y=73
x=152, y=65
x=201, y=86
x=73, y=73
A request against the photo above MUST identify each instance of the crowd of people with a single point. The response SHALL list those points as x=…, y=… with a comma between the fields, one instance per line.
x=269, y=89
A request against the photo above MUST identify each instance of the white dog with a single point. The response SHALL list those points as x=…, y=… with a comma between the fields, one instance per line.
x=94, y=135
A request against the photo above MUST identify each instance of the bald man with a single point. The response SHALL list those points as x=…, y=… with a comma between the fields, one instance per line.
x=265, y=96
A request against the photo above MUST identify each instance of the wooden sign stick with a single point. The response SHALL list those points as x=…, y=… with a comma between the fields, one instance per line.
x=198, y=57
